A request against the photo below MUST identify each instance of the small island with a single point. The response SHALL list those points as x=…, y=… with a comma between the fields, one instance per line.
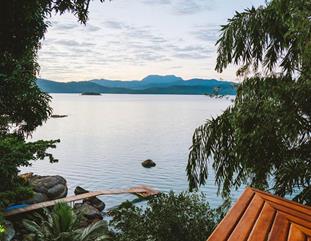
x=59, y=116
x=90, y=93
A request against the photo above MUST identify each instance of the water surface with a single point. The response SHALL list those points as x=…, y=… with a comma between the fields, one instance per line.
x=105, y=138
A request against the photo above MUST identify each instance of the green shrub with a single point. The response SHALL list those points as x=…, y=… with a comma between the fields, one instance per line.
x=20, y=193
x=62, y=224
x=2, y=231
x=167, y=217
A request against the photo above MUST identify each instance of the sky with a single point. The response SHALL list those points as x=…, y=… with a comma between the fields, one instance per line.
x=130, y=39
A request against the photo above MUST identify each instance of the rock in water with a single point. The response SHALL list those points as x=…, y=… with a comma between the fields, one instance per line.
x=148, y=163
x=94, y=201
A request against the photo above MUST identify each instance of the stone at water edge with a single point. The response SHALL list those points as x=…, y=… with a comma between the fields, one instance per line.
x=148, y=163
x=88, y=211
x=45, y=187
x=37, y=198
x=54, y=187
x=47, y=181
x=58, y=191
x=93, y=201
x=89, y=214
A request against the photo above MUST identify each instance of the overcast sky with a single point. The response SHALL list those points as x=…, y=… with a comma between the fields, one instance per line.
x=129, y=39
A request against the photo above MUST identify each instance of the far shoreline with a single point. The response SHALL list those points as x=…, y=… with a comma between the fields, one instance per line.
x=154, y=94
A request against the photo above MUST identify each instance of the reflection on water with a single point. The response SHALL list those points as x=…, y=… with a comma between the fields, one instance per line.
x=105, y=138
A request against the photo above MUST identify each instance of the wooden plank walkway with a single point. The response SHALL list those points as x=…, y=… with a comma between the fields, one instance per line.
x=142, y=191
x=260, y=216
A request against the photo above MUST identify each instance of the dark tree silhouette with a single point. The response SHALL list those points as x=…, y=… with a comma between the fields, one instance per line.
x=23, y=107
x=264, y=138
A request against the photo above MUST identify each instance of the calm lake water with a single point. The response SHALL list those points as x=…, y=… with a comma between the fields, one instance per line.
x=105, y=138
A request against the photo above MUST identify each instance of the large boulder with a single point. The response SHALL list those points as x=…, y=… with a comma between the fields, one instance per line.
x=45, y=187
x=54, y=187
x=46, y=182
x=88, y=214
x=57, y=191
x=148, y=163
x=37, y=198
x=93, y=201
x=88, y=211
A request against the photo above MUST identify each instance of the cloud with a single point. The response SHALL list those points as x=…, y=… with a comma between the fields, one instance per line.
x=150, y=56
x=187, y=7
x=183, y=7
x=64, y=26
x=189, y=48
x=114, y=24
x=88, y=44
x=146, y=35
x=127, y=44
x=133, y=32
x=192, y=52
x=53, y=54
x=92, y=28
x=67, y=42
x=207, y=33
x=154, y=2
x=138, y=45
x=141, y=33
x=191, y=55
x=157, y=39
x=73, y=43
x=176, y=67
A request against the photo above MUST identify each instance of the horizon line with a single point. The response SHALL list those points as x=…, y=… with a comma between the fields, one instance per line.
x=129, y=80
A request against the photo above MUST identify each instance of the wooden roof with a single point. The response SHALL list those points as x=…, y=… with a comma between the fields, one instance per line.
x=259, y=216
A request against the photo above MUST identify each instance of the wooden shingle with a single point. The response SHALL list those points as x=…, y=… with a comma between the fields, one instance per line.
x=260, y=216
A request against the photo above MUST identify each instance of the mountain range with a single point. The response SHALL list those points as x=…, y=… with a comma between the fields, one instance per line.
x=152, y=84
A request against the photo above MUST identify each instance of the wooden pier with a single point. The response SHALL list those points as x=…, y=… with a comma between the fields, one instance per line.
x=142, y=191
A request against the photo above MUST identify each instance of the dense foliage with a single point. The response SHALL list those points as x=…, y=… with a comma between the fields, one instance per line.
x=2, y=230
x=14, y=152
x=62, y=224
x=264, y=139
x=23, y=107
x=183, y=217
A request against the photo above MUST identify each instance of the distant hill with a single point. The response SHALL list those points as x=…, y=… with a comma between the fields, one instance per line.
x=147, y=82
x=152, y=84
x=161, y=79
x=75, y=87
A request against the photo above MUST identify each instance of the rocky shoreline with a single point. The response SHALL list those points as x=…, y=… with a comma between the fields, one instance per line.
x=47, y=188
